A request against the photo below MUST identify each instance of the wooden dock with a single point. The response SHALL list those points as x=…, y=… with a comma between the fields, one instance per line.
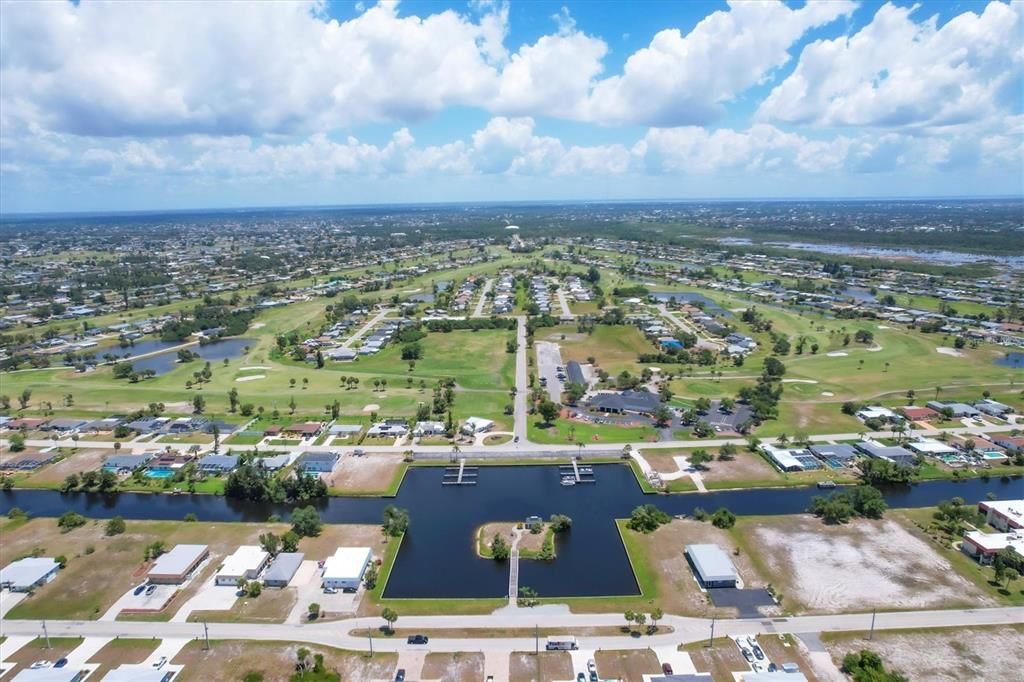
x=580, y=474
x=460, y=475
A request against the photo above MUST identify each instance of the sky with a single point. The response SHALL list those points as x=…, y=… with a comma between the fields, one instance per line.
x=128, y=105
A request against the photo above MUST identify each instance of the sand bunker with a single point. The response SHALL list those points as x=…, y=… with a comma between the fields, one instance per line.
x=254, y=377
x=372, y=407
x=949, y=351
x=837, y=354
x=874, y=349
x=827, y=394
x=243, y=369
x=862, y=565
x=257, y=325
x=799, y=381
x=882, y=326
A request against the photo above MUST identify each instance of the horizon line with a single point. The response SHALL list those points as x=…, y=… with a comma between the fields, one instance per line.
x=520, y=202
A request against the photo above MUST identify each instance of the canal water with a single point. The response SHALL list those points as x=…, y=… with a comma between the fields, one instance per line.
x=437, y=558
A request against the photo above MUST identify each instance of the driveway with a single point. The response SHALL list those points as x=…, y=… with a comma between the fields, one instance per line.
x=680, y=661
x=210, y=597
x=306, y=582
x=579, y=661
x=8, y=600
x=142, y=602
x=81, y=654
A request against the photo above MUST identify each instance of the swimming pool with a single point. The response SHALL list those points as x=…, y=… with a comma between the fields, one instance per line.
x=159, y=473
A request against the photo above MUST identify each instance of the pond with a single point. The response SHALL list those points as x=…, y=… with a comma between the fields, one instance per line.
x=213, y=352
x=1013, y=359
x=437, y=558
x=862, y=295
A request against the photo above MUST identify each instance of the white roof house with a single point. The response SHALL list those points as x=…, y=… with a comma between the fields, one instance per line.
x=428, y=428
x=783, y=458
x=927, y=446
x=175, y=566
x=476, y=425
x=877, y=412
x=344, y=570
x=24, y=574
x=246, y=562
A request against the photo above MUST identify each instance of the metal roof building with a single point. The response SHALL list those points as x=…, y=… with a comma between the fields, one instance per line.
x=345, y=569
x=174, y=566
x=574, y=373
x=283, y=569
x=24, y=574
x=713, y=566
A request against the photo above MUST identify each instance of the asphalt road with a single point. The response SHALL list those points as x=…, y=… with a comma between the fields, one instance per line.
x=522, y=385
x=549, y=358
x=482, y=301
x=684, y=629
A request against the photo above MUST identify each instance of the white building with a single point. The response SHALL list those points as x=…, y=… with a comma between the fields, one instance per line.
x=428, y=429
x=1006, y=515
x=246, y=562
x=474, y=425
x=344, y=570
x=928, y=446
x=26, y=574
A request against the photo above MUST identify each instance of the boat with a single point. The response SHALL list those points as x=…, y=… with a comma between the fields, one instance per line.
x=568, y=480
x=827, y=484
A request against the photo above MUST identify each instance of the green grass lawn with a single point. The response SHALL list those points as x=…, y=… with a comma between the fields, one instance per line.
x=614, y=347
x=570, y=433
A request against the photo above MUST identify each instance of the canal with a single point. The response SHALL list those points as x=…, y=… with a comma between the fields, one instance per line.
x=437, y=558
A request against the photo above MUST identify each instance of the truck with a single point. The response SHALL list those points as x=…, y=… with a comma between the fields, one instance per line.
x=561, y=643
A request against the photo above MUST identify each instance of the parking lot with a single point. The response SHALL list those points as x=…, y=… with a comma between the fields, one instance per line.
x=753, y=654
x=307, y=584
x=549, y=359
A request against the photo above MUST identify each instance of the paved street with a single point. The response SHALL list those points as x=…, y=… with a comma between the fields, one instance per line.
x=549, y=359
x=685, y=629
x=482, y=301
x=522, y=386
x=366, y=327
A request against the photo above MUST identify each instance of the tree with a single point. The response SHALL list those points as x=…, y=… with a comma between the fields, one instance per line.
x=647, y=518
x=253, y=589
x=24, y=398
x=723, y=518
x=866, y=666
x=727, y=452
x=560, y=523
x=370, y=576
x=630, y=616
x=233, y=399
x=500, y=551
x=313, y=611
x=662, y=416
x=270, y=543
x=306, y=521
x=302, y=658
x=390, y=616
x=16, y=442
x=656, y=615
x=292, y=405
x=71, y=482
x=396, y=520
x=290, y=541
x=115, y=526
x=548, y=411
x=70, y=520
x=198, y=404
x=698, y=458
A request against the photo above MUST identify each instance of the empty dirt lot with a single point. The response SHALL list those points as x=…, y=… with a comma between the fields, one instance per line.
x=544, y=667
x=231, y=660
x=858, y=566
x=75, y=463
x=744, y=467
x=948, y=654
x=457, y=667
x=364, y=475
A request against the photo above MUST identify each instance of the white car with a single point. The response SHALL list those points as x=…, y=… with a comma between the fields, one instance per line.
x=41, y=664
x=161, y=663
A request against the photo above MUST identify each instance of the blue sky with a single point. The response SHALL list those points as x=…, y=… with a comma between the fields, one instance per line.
x=125, y=106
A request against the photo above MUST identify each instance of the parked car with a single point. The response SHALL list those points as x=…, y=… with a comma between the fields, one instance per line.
x=61, y=662
x=666, y=668
x=41, y=664
x=758, y=654
x=591, y=666
x=330, y=590
x=581, y=677
x=747, y=655
x=160, y=663
x=400, y=675
x=417, y=639
x=150, y=590
x=772, y=668
x=139, y=590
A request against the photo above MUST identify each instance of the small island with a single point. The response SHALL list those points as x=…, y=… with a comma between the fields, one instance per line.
x=534, y=538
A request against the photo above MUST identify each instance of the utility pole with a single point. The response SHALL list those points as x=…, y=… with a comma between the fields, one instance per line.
x=206, y=636
x=46, y=636
x=536, y=640
x=871, y=633
x=711, y=640
x=369, y=635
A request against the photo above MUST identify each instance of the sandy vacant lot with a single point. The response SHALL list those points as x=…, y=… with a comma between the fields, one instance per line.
x=627, y=665
x=366, y=474
x=745, y=466
x=457, y=667
x=548, y=665
x=859, y=566
x=981, y=653
x=231, y=660
x=76, y=463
